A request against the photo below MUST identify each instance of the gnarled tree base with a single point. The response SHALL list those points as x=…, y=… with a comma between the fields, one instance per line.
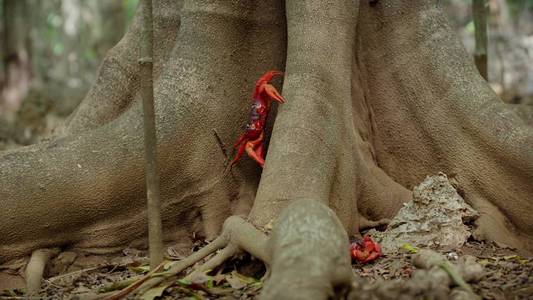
x=371, y=110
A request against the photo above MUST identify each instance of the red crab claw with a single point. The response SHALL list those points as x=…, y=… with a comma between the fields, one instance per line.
x=267, y=77
x=263, y=85
x=273, y=93
x=365, y=250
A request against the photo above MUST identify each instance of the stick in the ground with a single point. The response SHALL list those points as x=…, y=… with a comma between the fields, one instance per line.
x=155, y=234
x=35, y=269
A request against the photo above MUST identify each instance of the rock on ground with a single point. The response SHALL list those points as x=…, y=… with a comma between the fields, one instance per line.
x=435, y=218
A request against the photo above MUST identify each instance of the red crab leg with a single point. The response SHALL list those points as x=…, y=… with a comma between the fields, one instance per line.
x=240, y=140
x=372, y=256
x=261, y=150
x=240, y=152
x=250, y=149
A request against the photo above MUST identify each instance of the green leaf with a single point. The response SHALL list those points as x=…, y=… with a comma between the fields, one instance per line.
x=209, y=284
x=509, y=257
x=485, y=262
x=410, y=248
x=470, y=27
x=169, y=265
x=248, y=280
x=239, y=281
x=183, y=282
x=140, y=269
x=256, y=286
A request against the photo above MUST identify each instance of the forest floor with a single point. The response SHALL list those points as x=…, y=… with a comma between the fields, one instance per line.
x=506, y=275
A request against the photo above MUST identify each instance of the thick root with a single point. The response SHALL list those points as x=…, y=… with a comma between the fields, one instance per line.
x=307, y=254
x=309, y=250
x=237, y=236
x=35, y=269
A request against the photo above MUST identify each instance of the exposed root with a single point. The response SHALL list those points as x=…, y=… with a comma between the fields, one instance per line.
x=364, y=223
x=310, y=257
x=35, y=269
x=226, y=253
x=237, y=235
x=429, y=260
x=307, y=254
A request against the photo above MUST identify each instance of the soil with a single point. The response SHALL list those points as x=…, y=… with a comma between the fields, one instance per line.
x=507, y=275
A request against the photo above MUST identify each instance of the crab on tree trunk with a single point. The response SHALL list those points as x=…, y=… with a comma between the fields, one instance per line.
x=378, y=96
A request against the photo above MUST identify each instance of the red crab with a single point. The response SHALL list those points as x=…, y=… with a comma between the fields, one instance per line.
x=252, y=139
x=365, y=250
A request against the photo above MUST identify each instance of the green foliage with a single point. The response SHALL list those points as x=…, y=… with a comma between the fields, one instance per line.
x=130, y=6
x=517, y=6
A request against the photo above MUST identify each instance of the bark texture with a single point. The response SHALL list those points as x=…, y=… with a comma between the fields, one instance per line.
x=307, y=254
x=371, y=110
x=434, y=112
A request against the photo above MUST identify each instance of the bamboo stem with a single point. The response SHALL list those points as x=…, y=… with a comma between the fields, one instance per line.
x=150, y=141
x=479, y=12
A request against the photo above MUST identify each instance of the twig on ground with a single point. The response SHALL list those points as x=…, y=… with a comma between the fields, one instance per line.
x=134, y=285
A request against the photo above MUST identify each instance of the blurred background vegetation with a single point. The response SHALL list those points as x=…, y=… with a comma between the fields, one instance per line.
x=51, y=50
x=510, y=44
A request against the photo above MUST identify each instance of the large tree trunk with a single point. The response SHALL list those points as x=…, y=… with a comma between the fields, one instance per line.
x=371, y=110
x=435, y=113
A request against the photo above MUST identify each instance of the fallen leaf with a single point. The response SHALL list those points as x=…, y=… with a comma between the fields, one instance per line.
x=509, y=257
x=245, y=279
x=140, y=269
x=203, y=279
x=183, y=282
x=154, y=292
x=410, y=248
x=485, y=262
x=235, y=282
x=193, y=295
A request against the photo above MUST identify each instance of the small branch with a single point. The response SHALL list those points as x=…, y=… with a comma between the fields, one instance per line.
x=221, y=144
x=454, y=275
x=155, y=231
x=119, y=285
x=190, y=260
x=427, y=259
x=134, y=285
x=219, y=258
x=52, y=280
x=227, y=167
